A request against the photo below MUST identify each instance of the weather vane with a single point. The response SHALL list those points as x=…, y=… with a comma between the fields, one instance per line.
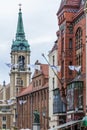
x=20, y=6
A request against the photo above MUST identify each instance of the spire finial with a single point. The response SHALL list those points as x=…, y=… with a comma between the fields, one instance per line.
x=20, y=6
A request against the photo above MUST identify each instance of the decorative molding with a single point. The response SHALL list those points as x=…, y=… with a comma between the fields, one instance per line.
x=80, y=18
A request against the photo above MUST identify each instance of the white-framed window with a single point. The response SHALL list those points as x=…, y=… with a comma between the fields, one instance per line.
x=4, y=126
x=4, y=118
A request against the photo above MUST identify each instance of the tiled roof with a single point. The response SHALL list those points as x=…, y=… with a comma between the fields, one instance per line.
x=71, y=3
x=30, y=90
x=26, y=90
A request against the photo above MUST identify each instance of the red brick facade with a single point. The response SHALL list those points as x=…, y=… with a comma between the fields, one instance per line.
x=71, y=47
x=36, y=97
x=71, y=52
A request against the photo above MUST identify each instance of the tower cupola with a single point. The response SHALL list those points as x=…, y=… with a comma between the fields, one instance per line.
x=20, y=73
x=20, y=43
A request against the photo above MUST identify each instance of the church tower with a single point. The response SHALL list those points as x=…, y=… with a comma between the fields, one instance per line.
x=20, y=58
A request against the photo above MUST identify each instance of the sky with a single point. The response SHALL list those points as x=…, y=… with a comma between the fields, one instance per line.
x=40, y=26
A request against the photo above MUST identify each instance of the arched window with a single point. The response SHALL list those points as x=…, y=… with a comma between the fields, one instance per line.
x=21, y=62
x=78, y=38
x=78, y=41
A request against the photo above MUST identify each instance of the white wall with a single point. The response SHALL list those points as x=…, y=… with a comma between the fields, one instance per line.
x=53, y=118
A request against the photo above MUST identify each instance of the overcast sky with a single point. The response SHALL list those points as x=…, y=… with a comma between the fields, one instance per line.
x=40, y=26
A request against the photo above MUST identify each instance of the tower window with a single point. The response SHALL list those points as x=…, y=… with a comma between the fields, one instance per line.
x=21, y=62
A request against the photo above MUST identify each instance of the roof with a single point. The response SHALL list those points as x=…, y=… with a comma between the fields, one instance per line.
x=29, y=89
x=20, y=43
x=26, y=90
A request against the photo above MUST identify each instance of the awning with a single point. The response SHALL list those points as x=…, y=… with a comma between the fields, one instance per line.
x=65, y=125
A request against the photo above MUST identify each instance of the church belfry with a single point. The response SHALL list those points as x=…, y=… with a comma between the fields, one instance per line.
x=20, y=58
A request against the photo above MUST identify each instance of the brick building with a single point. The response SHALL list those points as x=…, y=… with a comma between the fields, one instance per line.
x=72, y=53
x=36, y=97
x=20, y=76
x=5, y=113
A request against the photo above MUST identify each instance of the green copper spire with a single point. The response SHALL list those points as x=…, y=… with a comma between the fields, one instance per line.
x=20, y=29
x=20, y=43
